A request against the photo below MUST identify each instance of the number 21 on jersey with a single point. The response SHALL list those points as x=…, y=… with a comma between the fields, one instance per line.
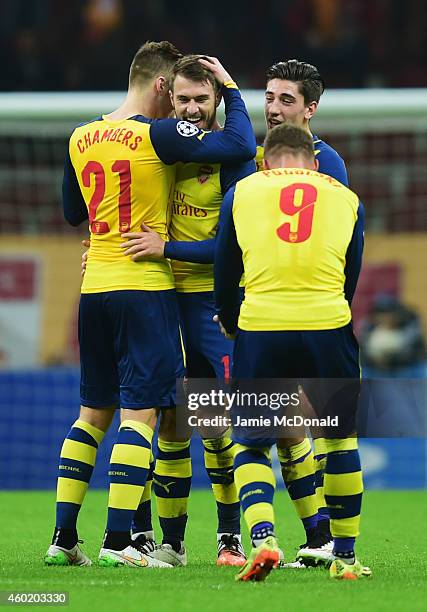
x=122, y=168
x=306, y=196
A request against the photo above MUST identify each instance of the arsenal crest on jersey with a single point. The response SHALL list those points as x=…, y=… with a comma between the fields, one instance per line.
x=204, y=174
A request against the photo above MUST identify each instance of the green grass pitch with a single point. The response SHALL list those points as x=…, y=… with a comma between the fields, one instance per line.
x=393, y=543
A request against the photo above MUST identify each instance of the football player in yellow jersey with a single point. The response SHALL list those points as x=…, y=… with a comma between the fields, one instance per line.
x=301, y=268
x=293, y=92
x=119, y=173
x=196, y=201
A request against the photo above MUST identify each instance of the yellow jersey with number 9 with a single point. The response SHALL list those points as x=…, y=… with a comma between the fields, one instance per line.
x=294, y=227
x=124, y=184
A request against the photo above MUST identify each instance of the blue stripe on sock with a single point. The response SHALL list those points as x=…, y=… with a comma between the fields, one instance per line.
x=173, y=528
x=343, y=462
x=323, y=514
x=344, y=545
x=319, y=457
x=80, y=435
x=130, y=436
x=222, y=476
x=251, y=456
x=142, y=518
x=151, y=470
x=127, y=474
x=262, y=530
x=228, y=517
x=179, y=454
x=217, y=451
x=344, y=506
x=76, y=470
x=301, y=487
x=66, y=515
x=119, y=520
x=318, y=478
x=254, y=493
x=170, y=488
x=310, y=522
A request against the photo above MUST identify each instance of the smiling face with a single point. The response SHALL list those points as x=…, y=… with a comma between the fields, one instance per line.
x=285, y=104
x=194, y=101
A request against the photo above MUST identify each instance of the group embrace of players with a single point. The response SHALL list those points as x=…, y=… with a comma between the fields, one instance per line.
x=163, y=263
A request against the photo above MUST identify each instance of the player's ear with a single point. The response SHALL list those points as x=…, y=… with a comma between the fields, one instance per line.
x=171, y=97
x=218, y=98
x=316, y=164
x=162, y=86
x=310, y=110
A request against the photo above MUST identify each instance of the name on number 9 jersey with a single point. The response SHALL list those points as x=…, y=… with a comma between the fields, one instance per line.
x=124, y=184
x=303, y=222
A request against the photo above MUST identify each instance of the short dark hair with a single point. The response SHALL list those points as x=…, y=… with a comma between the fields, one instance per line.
x=151, y=60
x=288, y=139
x=310, y=83
x=190, y=68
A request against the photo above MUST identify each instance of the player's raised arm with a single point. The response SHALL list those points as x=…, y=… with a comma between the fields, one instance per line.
x=228, y=267
x=177, y=140
x=74, y=207
x=354, y=255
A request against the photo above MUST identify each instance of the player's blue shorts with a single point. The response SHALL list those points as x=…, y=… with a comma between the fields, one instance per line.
x=329, y=353
x=208, y=352
x=316, y=359
x=130, y=349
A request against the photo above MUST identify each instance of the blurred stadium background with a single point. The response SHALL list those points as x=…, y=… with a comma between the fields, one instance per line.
x=66, y=62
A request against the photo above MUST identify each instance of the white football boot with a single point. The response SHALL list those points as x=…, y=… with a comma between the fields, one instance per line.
x=167, y=554
x=57, y=555
x=130, y=557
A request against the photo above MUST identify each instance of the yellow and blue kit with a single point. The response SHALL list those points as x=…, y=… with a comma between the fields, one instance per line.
x=197, y=198
x=118, y=175
x=298, y=237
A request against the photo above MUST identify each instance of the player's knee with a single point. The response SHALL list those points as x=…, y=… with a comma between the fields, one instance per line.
x=168, y=427
x=98, y=417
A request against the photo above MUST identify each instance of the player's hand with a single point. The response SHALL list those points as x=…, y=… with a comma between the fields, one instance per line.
x=217, y=69
x=143, y=245
x=86, y=244
x=222, y=329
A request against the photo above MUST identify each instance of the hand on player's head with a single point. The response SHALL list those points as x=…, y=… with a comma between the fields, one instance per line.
x=217, y=69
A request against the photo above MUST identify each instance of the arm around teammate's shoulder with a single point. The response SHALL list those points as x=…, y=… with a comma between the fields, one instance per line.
x=177, y=140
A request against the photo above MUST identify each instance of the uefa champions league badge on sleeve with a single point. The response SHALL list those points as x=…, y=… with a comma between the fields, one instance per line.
x=186, y=129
